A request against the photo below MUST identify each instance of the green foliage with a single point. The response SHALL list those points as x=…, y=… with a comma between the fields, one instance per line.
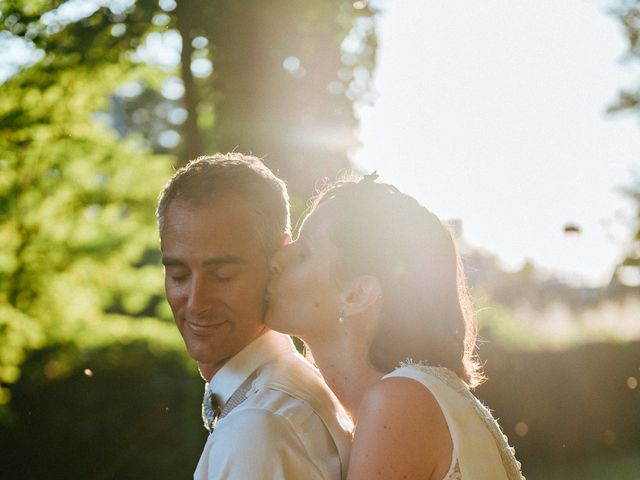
x=79, y=262
x=542, y=398
x=620, y=466
x=497, y=323
x=287, y=92
x=628, y=13
x=117, y=412
x=632, y=192
x=77, y=216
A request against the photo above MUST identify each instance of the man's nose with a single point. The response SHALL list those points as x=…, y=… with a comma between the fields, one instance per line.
x=200, y=297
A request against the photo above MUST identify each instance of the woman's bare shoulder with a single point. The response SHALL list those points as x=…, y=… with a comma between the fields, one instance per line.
x=402, y=392
x=400, y=429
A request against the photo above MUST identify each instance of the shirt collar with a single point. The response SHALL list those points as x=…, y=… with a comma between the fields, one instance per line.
x=260, y=351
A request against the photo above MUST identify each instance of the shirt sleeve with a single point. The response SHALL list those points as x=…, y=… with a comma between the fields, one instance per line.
x=255, y=444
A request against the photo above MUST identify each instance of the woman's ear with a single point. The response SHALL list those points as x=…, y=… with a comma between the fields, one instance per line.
x=361, y=294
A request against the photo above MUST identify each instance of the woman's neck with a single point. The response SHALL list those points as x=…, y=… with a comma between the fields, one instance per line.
x=345, y=366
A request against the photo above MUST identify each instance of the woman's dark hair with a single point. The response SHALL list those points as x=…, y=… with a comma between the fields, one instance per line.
x=426, y=313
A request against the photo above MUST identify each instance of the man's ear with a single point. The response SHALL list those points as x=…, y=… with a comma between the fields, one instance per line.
x=285, y=239
x=360, y=294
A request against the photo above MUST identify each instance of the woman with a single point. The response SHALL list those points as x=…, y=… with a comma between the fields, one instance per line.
x=374, y=287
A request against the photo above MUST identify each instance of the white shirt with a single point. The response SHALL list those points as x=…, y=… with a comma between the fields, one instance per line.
x=290, y=426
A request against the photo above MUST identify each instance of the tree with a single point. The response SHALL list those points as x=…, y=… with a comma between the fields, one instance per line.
x=277, y=78
x=76, y=218
x=79, y=261
x=286, y=74
x=628, y=13
x=629, y=100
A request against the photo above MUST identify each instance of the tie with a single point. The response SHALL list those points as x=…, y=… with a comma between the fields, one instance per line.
x=211, y=411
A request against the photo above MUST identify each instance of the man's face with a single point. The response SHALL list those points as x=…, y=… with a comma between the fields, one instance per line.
x=215, y=277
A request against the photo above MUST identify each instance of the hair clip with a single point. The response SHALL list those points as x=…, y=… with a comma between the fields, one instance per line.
x=370, y=178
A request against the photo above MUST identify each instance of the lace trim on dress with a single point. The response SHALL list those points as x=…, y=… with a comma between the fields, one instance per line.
x=507, y=453
x=456, y=474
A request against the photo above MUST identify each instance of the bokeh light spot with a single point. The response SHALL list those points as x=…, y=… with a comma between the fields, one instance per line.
x=161, y=19
x=169, y=139
x=167, y=5
x=118, y=29
x=632, y=383
x=199, y=42
x=173, y=88
x=335, y=87
x=88, y=372
x=521, y=429
x=201, y=67
x=291, y=64
x=130, y=89
x=52, y=369
x=177, y=116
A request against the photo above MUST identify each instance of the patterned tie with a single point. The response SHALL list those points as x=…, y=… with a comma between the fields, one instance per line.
x=211, y=411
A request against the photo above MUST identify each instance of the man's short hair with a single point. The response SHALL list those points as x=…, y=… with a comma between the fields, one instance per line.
x=209, y=178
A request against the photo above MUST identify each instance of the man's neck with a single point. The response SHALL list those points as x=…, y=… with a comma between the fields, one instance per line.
x=208, y=370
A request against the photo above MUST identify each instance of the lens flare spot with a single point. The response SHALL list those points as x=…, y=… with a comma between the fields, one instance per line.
x=521, y=429
x=52, y=369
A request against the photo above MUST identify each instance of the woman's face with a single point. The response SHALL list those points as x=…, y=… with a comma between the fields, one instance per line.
x=304, y=296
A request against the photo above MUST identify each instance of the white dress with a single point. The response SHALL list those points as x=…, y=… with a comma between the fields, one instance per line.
x=480, y=449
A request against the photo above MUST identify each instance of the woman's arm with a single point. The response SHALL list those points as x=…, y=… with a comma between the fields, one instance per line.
x=401, y=433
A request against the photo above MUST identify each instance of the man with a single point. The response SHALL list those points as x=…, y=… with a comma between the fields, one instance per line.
x=270, y=414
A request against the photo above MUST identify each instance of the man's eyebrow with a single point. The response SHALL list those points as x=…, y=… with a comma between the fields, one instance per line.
x=226, y=259
x=170, y=262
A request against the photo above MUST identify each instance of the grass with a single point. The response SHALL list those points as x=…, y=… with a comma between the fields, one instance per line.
x=621, y=466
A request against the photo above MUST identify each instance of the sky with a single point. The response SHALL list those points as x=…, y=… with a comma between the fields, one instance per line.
x=494, y=113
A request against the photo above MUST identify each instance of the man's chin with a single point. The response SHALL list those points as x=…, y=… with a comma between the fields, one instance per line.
x=204, y=354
